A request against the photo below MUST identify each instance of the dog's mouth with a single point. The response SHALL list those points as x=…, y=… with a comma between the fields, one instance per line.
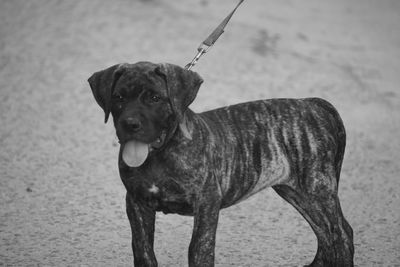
x=135, y=152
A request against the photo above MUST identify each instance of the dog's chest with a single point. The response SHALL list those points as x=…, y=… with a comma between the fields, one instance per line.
x=169, y=198
x=161, y=192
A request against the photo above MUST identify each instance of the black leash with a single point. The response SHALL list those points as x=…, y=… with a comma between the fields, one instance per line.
x=211, y=39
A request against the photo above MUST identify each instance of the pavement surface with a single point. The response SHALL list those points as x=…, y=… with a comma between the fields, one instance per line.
x=61, y=200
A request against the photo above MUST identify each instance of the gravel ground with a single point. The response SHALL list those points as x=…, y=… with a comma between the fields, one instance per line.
x=62, y=203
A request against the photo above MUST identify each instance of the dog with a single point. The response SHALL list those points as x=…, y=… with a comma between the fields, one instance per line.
x=174, y=160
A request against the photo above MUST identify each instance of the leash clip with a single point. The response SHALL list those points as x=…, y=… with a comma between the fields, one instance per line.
x=211, y=39
x=201, y=50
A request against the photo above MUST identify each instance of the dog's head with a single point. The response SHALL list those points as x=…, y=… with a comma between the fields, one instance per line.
x=147, y=102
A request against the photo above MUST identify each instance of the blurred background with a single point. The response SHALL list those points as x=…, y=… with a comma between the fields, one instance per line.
x=62, y=202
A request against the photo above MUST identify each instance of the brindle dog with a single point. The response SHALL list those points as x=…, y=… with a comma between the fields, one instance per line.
x=195, y=164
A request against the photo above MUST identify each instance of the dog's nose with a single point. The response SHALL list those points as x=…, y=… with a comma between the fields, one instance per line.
x=132, y=124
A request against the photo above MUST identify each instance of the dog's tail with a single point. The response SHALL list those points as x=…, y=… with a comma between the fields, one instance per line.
x=340, y=133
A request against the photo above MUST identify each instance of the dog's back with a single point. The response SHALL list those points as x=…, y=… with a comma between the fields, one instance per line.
x=262, y=143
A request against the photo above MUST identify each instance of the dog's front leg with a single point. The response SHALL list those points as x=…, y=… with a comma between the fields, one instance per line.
x=142, y=220
x=206, y=212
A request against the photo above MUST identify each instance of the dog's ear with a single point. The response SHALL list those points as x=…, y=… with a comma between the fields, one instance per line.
x=102, y=84
x=182, y=86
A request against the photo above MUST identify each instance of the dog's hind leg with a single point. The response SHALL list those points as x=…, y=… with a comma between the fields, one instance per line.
x=321, y=208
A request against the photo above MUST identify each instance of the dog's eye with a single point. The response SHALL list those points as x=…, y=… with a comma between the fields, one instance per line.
x=151, y=97
x=155, y=98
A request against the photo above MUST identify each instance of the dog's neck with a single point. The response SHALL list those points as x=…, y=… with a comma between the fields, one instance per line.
x=182, y=131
